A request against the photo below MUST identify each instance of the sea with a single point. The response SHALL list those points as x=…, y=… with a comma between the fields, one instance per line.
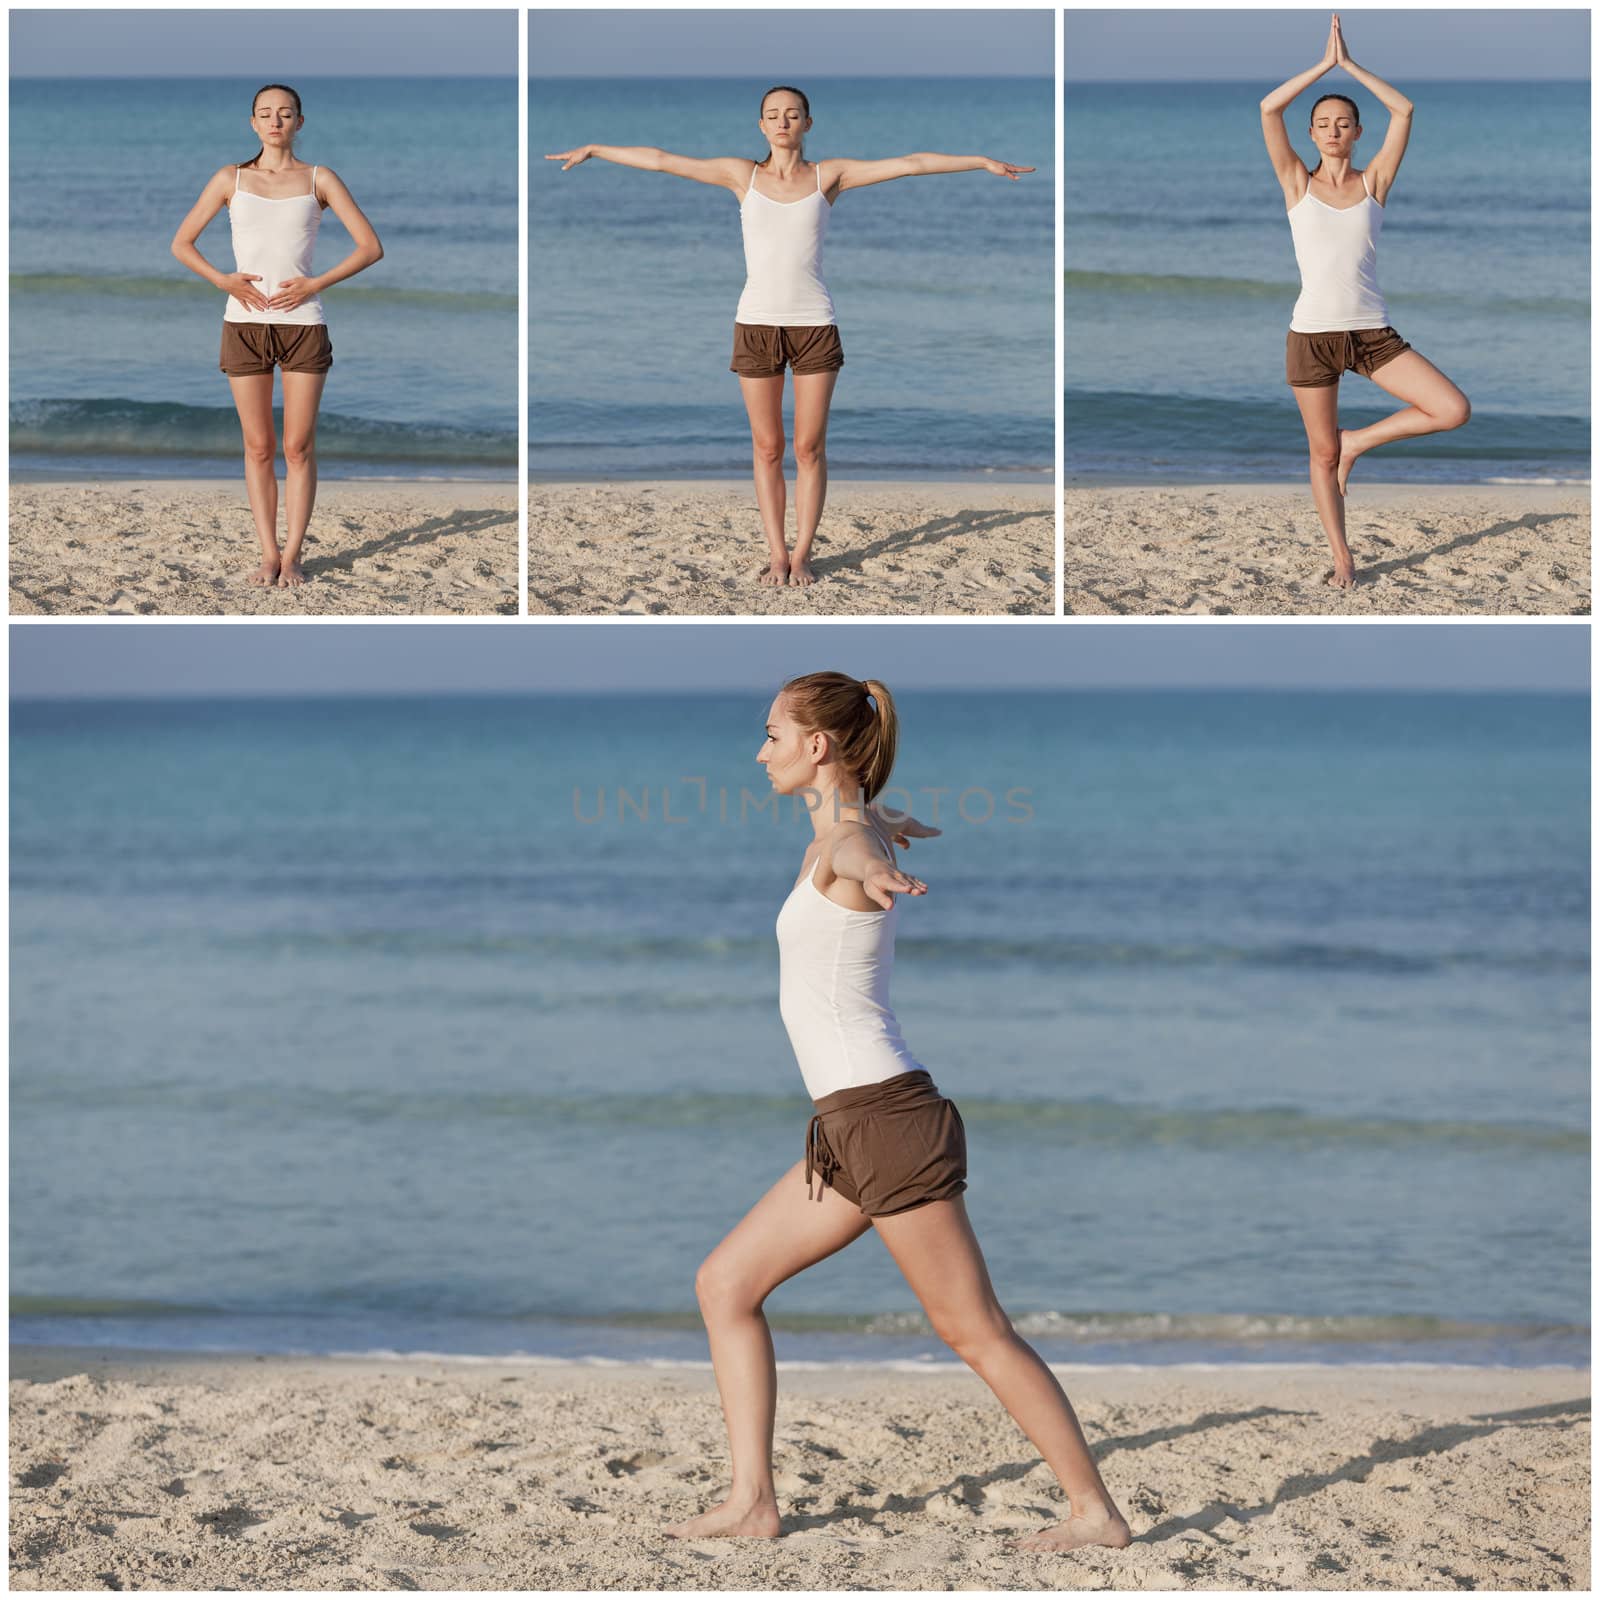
x=450, y=1025
x=944, y=286
x=114, y=345
x=1181, y=278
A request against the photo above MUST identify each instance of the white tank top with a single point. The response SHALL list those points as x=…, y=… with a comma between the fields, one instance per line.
x=1338, y=255
x=783, y=285
x=274, y=238
x=833, y=991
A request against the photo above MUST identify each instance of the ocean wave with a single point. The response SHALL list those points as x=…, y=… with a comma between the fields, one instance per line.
x=1103, y=1123
x=1183, y=286
x=92, y=285
x=118, y=427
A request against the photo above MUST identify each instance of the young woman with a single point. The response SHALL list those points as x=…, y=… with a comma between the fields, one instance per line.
x=888, y=1149
x=274, y=316
x=1340, y=322
x=785, y=315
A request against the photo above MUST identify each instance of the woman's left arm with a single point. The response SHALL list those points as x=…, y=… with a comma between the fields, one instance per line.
x=368, y=251
x=858, y=174
x=1386, y=163
x=859, y=853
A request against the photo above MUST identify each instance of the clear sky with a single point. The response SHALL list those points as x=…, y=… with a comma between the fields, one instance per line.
x=260, y=44
x=62, y=659
x=1270, y=46
x=788, y=42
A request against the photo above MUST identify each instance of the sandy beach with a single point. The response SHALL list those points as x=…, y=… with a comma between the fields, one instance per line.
x=1259, y=550
x=185, y=547
x=138, y=1471
x=883, y=549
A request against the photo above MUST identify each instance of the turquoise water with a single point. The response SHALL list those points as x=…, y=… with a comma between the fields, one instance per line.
x=389, y=1024
x=942, y=285
x=114, y=345
x=1181, y=279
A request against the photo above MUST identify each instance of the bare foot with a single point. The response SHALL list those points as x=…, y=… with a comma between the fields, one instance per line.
x=267, y=573
x=1343, y=575
x=1074, y=1533
x=776, y=575
x=293, y=573
x=1347, y=459
x=730, y=1521
x=800, y=574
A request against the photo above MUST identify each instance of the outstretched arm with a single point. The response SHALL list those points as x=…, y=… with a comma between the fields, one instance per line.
x=1291, y=170
x=858, y=174
x=724, y=172
x=1381, y=169
x=859, y=853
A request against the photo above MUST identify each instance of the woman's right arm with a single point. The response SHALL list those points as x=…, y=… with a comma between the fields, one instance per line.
x=724, y=172
x=1291, y=170
x=241, y=285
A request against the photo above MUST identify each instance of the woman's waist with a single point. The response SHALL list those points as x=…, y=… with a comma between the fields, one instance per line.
x=901, y=1091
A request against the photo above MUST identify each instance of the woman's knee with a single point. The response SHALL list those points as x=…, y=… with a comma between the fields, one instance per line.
x=299, y=450
x=260, y=449
x=1455, y=412
x=975, y=1337
x=769, y=448
x=809, y=450
x=721, y=1289
x=1324, y=454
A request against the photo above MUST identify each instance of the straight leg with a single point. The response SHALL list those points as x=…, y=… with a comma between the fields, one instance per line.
x=1319, y=411
x=763, y=400
x=813, y=394
x=252, y=398
x=302, y=395
x=936, y=1249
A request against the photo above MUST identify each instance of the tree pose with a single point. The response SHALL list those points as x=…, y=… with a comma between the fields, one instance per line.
x=785, y=315
x=274, y=315
x=888, y=1149
x=1340, y=322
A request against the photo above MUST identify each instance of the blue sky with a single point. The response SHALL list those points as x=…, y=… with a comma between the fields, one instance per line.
x=1270, y=46
x=262, y=44
x=343, y=658
x=786, y=42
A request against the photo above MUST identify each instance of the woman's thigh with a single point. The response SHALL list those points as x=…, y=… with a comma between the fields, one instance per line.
x=783, y=1233
x=937, y=1251
x=763, y=402
x=1319, y=411
x=302, y=394
x=813, y=394
x=1419, y=383
x=252, y=398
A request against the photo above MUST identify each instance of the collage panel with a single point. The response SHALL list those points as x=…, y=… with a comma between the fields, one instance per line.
x=1340, y=365
x=272, y=372
x=723, y=432
x=1237, y=1062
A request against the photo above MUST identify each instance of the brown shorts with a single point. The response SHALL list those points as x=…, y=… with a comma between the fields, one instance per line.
x=252, y=348
x=889, y=1146
x=1314, y=360
x=760, y=351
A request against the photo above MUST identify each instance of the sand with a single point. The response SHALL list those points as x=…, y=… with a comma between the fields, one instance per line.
x=1259, y=550
x=278, y=1473
x=184, y=547
x=883, y=549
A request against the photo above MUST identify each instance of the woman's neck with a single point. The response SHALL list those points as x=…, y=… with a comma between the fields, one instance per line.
x=286, y=161
x=784, y=165
x=1334, y=170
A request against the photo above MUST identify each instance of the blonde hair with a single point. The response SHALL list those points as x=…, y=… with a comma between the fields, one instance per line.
x=857, y=713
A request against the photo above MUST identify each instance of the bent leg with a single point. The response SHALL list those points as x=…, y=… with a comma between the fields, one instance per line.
x=1434, y=405
x=782, y=1234
x=936, y=1249
x=813, y=394
x=302, y=395
x=252, y=398
x=1319, y=411
x=763, y=400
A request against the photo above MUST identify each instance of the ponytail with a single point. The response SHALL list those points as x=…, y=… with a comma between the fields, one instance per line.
x=858, y=714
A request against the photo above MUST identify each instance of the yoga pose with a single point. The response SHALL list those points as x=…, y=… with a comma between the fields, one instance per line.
x=1340, y=322
x=785, y=315
x=274, y=316
x=888, y=1150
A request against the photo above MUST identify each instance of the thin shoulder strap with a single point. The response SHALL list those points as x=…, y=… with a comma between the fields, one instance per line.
x=755, y=167
x=1365, y=185
x=313, y=183
x=818, y=166
x=236, y=172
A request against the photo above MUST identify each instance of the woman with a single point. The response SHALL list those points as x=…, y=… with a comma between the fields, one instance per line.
x=1340, y=322
x=888, y=1149
x=274, y=316
x=785, y=315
